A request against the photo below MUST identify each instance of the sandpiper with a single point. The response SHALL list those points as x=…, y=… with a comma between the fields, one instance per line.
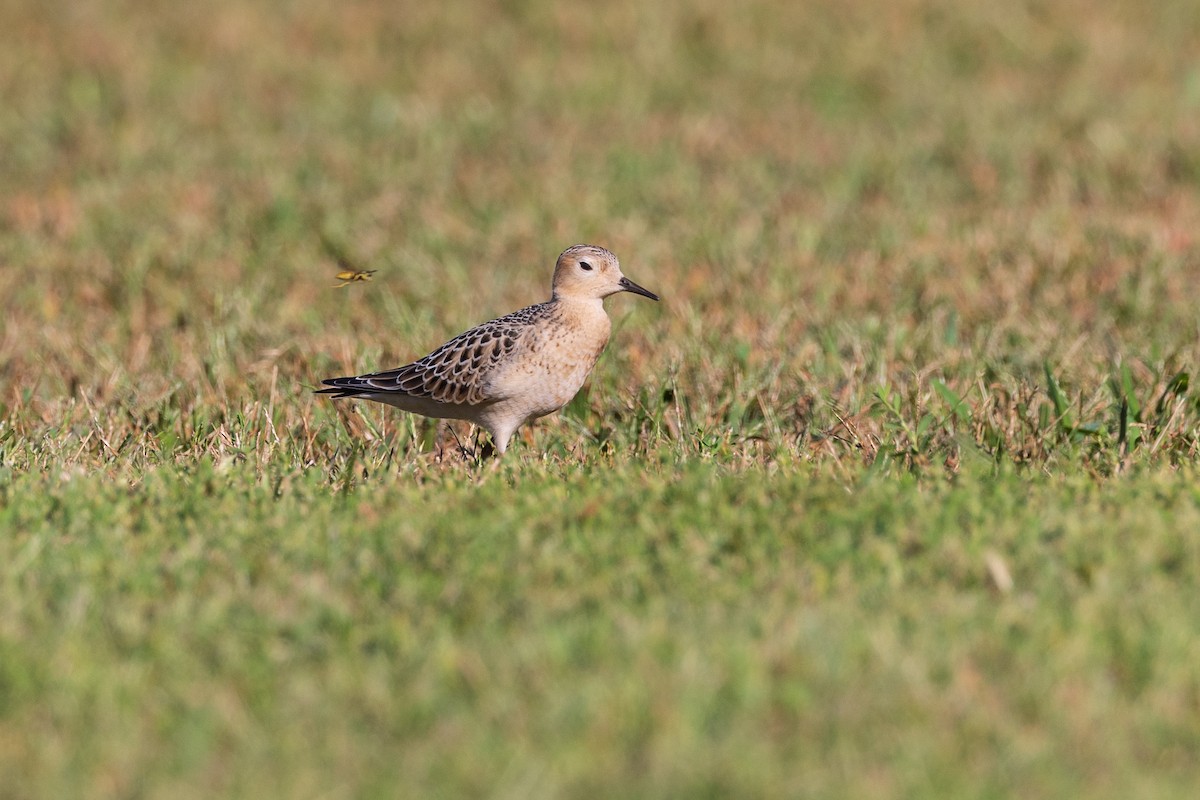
x=515, y=368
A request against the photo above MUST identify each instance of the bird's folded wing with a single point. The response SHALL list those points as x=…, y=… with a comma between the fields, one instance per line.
x=457, y=372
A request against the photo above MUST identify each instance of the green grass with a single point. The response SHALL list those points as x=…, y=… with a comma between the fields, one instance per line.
x=893, y=495
x=695, y=632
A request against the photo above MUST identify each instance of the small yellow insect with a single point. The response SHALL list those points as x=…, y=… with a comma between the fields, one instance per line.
x=349, y=276
x=350, y=273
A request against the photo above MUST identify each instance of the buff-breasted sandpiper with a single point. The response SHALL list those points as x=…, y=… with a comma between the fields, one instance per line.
x=504, y=373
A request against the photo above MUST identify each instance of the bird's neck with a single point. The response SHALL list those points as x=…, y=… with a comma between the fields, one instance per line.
x=584, y=304
x=585, y=314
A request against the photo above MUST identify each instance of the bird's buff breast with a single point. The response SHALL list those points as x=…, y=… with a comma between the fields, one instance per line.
x=553, y=367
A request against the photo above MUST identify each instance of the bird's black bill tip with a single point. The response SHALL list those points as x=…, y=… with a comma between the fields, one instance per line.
x=630, y=286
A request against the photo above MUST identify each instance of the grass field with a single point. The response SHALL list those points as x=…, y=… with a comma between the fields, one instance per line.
x=895, y=494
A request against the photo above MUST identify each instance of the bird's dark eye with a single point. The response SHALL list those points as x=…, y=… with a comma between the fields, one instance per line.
x=585, y=265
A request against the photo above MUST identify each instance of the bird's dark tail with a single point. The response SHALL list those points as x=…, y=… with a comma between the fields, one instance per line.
x=343, y=387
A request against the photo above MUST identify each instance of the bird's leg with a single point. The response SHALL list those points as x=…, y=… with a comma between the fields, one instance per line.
x=463, y=451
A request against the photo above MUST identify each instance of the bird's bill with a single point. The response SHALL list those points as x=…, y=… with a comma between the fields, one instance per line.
x=629, y=286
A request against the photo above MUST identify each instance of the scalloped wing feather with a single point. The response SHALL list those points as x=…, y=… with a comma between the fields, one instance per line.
x=458, y=371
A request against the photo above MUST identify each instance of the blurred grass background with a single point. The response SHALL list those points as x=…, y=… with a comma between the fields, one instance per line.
x=928, y=270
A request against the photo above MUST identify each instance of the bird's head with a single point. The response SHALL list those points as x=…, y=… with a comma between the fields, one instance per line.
x=588, y=272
